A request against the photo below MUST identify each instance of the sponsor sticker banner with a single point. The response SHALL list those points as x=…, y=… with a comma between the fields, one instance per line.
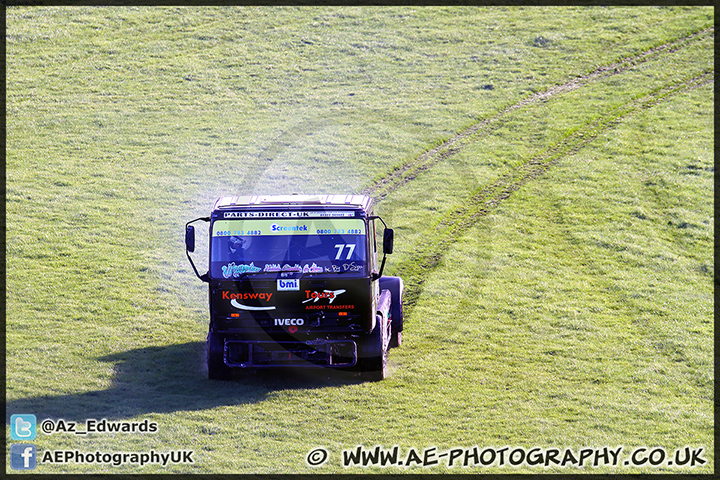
x=343, y=226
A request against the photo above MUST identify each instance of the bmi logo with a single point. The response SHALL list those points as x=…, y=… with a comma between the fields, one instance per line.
x=290, y=284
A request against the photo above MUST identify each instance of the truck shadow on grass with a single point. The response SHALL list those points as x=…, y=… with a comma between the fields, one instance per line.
x=170, y=379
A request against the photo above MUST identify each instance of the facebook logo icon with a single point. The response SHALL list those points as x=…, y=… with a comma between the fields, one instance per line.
x=23, y=427
x=23, y=456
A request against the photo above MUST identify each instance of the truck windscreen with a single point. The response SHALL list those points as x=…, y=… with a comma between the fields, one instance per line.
x=307, y=245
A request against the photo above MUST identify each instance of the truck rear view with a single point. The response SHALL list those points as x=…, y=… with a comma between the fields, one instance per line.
x=294, y=280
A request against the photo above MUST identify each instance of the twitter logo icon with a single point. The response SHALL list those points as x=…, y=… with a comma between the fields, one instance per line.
x=23, y=427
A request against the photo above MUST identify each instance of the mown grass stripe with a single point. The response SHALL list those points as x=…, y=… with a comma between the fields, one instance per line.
x=395, y=179
x=428, y=255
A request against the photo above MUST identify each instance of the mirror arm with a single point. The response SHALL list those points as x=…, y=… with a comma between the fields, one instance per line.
x=382, y=267
x=205, y=277
x=376, y=276
x=377, y=217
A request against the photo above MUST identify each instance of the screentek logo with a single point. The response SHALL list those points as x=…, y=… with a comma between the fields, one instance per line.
x=287, y=285
x=296, y=228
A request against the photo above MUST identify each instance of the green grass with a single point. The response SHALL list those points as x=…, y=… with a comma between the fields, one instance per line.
x=576, y=312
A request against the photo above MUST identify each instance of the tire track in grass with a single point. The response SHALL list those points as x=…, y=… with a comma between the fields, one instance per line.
x=428, y=254
x=408, y=171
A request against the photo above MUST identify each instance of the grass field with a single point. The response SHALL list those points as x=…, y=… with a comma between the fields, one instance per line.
x=548, y=172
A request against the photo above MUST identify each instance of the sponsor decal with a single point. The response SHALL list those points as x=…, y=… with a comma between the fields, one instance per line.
x=241, y=226
x=329, y=307
x=234, y=297
x=287, y=285
x=352, y=267
x=330, y=295
x=246, y=296
x=346, y=267
x=240, y=306
x=322, y=214
x=276, y=268
x=335, y=214
x=232, y=270
x=289, y=321
x=312, y=269
x=265, y=214
x=295, y=228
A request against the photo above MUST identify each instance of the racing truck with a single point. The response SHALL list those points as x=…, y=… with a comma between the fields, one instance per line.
x=294, y=281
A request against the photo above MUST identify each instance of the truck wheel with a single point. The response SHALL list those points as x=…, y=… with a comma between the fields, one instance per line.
x=217, y=370
x=374, y=354
x=396, y=287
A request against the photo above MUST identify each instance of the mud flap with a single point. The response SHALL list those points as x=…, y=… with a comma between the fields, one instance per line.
x=396, y=287
x=372, y=357
x=217, y=370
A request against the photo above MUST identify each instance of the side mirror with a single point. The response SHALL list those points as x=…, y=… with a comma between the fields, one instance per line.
x=190, y=238
x=388, y=235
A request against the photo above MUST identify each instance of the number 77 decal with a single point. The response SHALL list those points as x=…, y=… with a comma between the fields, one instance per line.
x=341, y=246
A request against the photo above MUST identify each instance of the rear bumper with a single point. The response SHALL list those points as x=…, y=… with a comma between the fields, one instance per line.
x=315, y=353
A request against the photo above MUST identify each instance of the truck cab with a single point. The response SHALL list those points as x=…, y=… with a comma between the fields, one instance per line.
x=294, y=280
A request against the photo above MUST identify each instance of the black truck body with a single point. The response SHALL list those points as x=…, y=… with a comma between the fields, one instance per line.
x=294, y=280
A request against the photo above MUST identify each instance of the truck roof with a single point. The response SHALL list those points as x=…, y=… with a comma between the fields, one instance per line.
x=353, y=201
